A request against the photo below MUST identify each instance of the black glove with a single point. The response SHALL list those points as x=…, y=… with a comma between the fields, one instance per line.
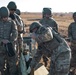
x=10, y=49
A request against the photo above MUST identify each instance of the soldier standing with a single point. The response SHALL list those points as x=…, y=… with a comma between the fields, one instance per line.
x=49, y=42
x=12, y=8
x=18, y=12
x=72, y=37
x=47, y=19
x=8, y=35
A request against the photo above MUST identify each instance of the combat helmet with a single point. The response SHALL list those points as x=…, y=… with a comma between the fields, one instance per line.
x=12, y=5
x=18, y=12
x=46, y=11
x=34, y=25
x=4, y=12
x=74, y=14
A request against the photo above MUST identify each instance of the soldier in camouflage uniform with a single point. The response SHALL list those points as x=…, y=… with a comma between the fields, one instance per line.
x=12, y=8
x=18, y=12
x=47, y=19
x=50, y=43
x=8, y=34
x=72, y=37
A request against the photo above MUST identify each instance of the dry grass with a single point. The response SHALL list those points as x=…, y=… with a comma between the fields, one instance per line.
x=63, y=20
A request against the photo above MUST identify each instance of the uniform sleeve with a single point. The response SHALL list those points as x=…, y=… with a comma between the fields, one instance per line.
x=44, y=37
x=19, y=23
x=55, y=26
x=23, y=25
x=14, y=32
x=36, y=58
x=70, y=32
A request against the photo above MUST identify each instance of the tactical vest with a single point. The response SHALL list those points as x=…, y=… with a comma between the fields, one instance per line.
x=5, y=29
x=52, y=44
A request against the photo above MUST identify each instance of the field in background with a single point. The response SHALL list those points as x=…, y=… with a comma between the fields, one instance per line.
x=63, y=20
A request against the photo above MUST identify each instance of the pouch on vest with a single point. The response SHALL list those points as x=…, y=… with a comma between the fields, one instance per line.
x=10, y=49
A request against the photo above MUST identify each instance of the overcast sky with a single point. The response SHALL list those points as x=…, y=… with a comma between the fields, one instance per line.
x=38, y=5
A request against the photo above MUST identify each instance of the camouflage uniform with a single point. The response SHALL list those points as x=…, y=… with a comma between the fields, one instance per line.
x=20, y=32
x=50, y=43
x=72, y=37
x=48, y=22
x=18, y=12
x=8, y=31
x=12, y=6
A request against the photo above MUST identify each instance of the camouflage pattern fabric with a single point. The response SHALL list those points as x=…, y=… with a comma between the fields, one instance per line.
x=20, y=43
x=8, y=31
x=72, y=36
x=49, y=23
x=11, y=63
x=20, y=26
x=72, y=31
x=60, y=60
x=60, y=56
x=6, y=28
x=73, y=60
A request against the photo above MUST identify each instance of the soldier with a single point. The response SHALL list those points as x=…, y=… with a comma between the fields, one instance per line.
x=8, y=35
x=18, y=12
x=50, y=43
x=47, y=19
x=12, y=8
x=72, y=37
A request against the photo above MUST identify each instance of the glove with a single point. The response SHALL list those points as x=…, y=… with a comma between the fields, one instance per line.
x=28, y=70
